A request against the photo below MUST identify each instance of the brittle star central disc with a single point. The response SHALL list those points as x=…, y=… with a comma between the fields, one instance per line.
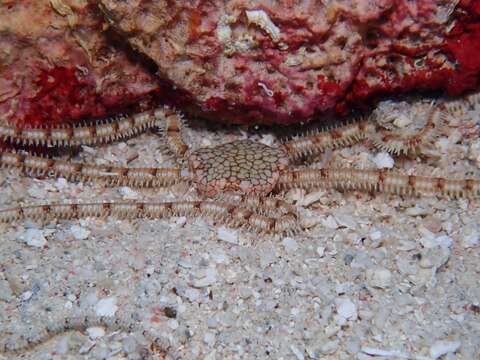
x=241, y=166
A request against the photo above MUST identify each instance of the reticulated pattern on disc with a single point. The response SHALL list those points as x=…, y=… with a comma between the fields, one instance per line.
x=242, y=166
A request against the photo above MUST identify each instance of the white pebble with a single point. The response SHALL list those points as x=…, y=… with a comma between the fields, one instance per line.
x=79, y=233
x=298, y=354
x=89, y=150
x=471, y=238
x=150, y=270
x=383, y=160
x=346, y=220
x=182, y=220
x=227, y=235
x=332, y=329
x=26, y=296
x=211, y=356
x=289, y=244
x=406, y=245
x=61, y=183
x=95, y=332
x=36, y=192
x=346, y=308
x=209, y=338
x=379, y=278
x=330, y=222
x=68, y=305
x=444, y=241
x=376, y=235
x=329, y=347
x=106, y=307
x=85, y=347
x=209, y=279
x=267, y=139
x=426, y=263
x=212, y=322
x=321, y=251
x=440, y=348
x=62, y=346
x=443, y=144
x=406, y=267
x=173, y=324
x=343, y=288
x=219, y=257
x=388, y=353
x=128, y=193
x=428, y=242
x=6, y=293
x=417, y=210
x=262, y=20
x=192, y=294
x=312, y=198
x=33, y=237
x=402, y=121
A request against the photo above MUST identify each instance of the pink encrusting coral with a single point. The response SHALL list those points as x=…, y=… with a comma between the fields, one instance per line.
x=238, y=61
x=287, y=61
x=57, y=66
x=450, y=63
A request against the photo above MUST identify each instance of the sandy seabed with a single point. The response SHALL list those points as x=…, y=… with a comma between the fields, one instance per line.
x=370, y=276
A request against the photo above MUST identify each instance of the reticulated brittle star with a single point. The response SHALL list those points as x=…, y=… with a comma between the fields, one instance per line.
x=235, y=179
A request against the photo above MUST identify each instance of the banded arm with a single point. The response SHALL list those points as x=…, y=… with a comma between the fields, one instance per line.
x=410, y=141
x=50, y=330
x=108, y=175
x=22, y=344
x=230, y=214
x=315, y=144
x=102, y=132
x=380, y=181
x=172, y=127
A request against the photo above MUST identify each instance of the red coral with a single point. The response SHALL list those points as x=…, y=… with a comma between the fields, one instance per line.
x=52, y=72
x=331, y=57
x=460, y=47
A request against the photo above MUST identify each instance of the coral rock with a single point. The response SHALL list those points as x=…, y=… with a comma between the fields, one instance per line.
x=56, y=65
x=287, y=61
x=234, y=61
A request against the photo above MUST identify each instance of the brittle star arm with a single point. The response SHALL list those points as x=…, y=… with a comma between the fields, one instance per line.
x=315, y=144
x=409, y=141
x=380, y=181
x=102, y=132
x=172, y=132
x=108, y=175
x=50, y=330
x=230, y=214
x=273, y=215
x=22, y=344
x=394, y=142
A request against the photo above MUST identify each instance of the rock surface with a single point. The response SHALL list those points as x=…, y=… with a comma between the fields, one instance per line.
x=286, y=61
x=57, y=66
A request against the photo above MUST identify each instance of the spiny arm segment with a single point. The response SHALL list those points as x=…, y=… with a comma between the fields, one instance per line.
x=228, y=213
x=172, y=131
x=270, y=205
x=405, y=141
x=104, y=131
x=27, y=343
x=315, y=144
x=23, y=344
x=108, y=175
x=380, y=181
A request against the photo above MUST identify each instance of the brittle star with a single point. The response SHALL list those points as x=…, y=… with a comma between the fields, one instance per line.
x=236, y=180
